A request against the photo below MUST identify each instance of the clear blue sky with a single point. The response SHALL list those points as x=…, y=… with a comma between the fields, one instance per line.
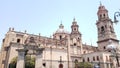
x=44, y=16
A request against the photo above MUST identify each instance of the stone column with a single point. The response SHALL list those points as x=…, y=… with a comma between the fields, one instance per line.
x=21, y=58
x=68, y=52
x=38, y=62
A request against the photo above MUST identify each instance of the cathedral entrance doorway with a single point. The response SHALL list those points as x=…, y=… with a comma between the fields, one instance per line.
x=60, y=65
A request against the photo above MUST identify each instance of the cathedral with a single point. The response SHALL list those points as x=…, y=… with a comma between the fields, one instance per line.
x=63, y=48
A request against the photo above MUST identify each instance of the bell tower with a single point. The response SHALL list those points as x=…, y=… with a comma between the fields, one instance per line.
x=75, y=30
x=105, y=29
x=75, y=37
x=75, y=27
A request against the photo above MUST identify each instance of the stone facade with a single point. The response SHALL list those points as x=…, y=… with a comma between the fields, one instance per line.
x=105, y=29
x=64, y=47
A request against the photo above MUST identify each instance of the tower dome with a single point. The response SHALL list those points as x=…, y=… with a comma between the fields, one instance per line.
x=61, y=29
x=102, y=12
x=60, y=33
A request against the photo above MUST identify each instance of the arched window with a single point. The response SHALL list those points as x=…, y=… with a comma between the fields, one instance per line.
x=74, y=29
x=104, y=47
x=93, y=58
x=102, y=29
x=97, y=58
x=88, y=59
x=74, y=44
x=104, y=15
x=76, y=61
x=109, y=50
x=18, y=40
x=32, y=40
x=60, y=65
x=83, y=60
x=60, y=37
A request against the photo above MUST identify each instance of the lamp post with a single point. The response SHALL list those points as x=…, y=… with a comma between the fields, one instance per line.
x=116, y=14
x=116, y=55
x=113, y=49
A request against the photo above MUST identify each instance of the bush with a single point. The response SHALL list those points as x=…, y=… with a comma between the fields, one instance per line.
x=84, y=65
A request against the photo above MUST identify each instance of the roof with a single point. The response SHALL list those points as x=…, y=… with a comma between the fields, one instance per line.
x=90, y=47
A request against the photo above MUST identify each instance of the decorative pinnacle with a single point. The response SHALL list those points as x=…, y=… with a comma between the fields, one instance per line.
x=74, y=19
x=100, y=3
x=61, y=21
x=61, y=25
x=25, y=31
x=39, y=34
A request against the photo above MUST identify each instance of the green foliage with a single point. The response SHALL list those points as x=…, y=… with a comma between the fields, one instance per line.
x=13, y=63
x=29, y=62
x=83, y=65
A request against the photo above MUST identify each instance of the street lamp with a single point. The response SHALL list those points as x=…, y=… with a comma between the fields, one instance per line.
x=116, y=14
x=114, y=50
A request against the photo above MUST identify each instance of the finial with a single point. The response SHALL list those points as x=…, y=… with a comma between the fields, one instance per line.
x=61, y=21
x=50, y=36
x=91, y=42
x=25, y=31
x=39, y=34
x=74, y=19
x=10, y=29
x=100, y=3
x=61, y=25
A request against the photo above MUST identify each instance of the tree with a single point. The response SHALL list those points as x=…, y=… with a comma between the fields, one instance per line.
x=29, y=62
x=84, y=65
x=13, y=63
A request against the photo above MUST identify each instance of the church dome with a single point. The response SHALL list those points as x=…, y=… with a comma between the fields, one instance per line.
x=61, y=29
